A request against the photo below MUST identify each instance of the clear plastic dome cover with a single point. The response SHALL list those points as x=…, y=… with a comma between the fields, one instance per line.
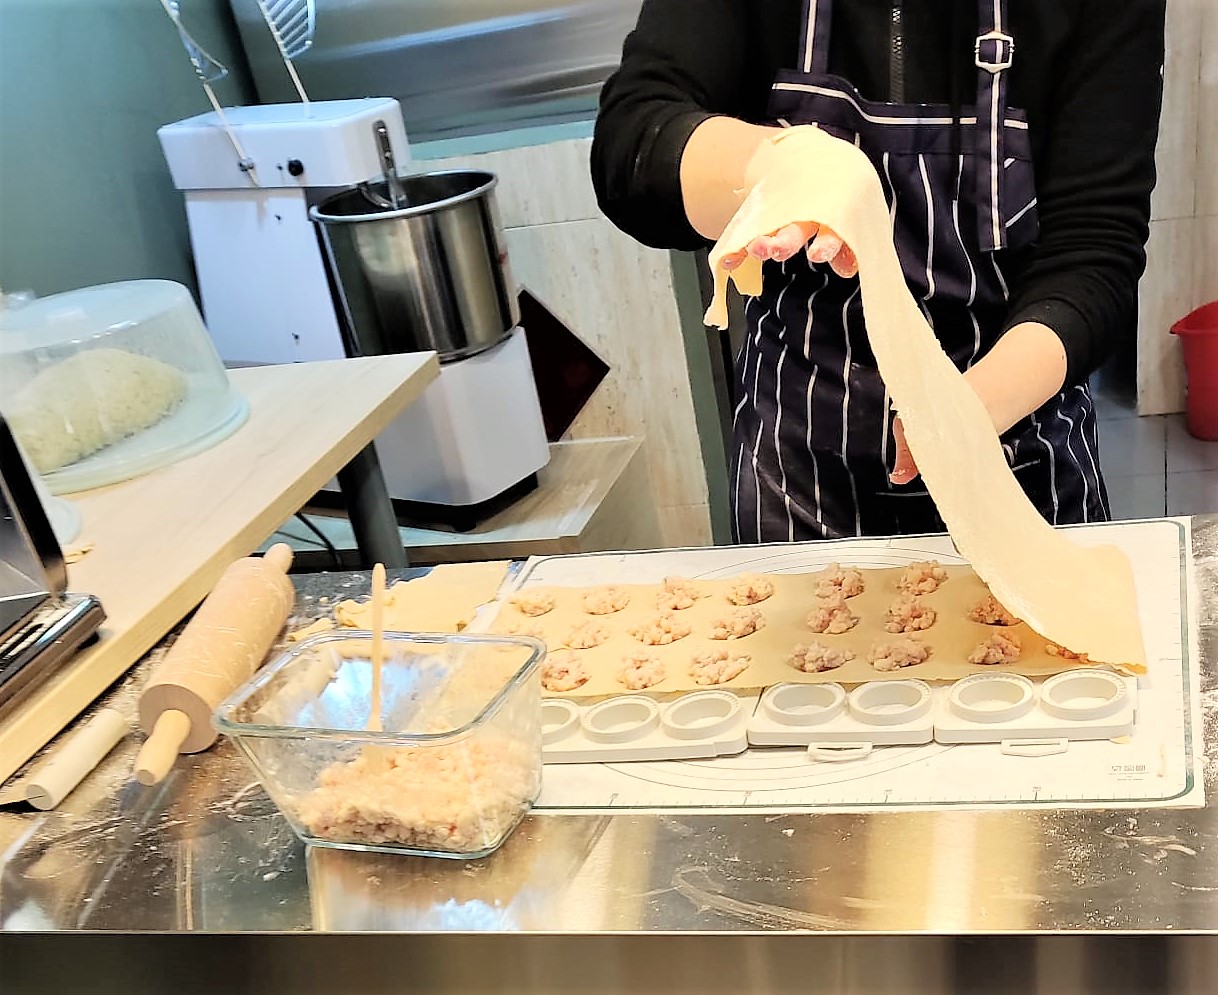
x=107, y=383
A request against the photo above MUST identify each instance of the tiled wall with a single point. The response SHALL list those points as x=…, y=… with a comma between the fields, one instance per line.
x=1182, y=257
x=618, y=296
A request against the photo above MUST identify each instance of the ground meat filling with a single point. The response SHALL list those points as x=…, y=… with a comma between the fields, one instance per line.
x=749, y=589
x=606, y=600
x=988, y=611
x=639, y=671
x=832, y=618
x=924, y=577
x=563, y=672
x=739, y=623
x=717, y=667
x=678, y=595
x=661, y=630
x=908, y=614
x=834, y=581
x=586, y=636
x=533, y=602
x=904, y=652
x=1000, y=648
x=816, y=658
x=1060, y=651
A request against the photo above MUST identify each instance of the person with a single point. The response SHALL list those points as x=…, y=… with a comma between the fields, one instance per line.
x=1015, y=143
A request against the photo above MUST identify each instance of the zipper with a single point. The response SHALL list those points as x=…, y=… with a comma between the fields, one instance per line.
x=896, y=52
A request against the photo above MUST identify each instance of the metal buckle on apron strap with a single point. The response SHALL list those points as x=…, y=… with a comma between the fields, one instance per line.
x=999, y=51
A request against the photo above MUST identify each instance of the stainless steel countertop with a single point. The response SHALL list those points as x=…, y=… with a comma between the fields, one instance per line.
x=207, y=850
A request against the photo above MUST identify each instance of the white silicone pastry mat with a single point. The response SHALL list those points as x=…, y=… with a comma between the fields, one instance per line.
x=1159, y=766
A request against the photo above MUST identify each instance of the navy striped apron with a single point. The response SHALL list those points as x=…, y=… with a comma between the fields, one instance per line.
x=812, y=429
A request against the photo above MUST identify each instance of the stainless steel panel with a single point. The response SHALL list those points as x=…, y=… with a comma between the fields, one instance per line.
x=456, y=66
x=430, y=276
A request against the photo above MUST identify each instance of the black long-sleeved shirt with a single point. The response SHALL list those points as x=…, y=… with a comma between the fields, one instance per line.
x=1087, y=72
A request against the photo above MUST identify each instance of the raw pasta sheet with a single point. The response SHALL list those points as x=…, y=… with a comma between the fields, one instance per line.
x=952, y=638
x=1079, y=597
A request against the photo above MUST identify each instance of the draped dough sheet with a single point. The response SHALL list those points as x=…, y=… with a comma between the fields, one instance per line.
x=1081, y=597
x=952, y=637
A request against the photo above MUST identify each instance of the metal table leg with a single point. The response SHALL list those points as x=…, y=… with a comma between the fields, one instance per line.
x=371, y=511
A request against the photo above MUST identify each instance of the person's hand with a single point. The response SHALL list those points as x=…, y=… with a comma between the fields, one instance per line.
x=819, y=243
x=904, y=469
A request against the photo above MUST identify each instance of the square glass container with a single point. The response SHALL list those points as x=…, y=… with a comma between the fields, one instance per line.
x=456, y=766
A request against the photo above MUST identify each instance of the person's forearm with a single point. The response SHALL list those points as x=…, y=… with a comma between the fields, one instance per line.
x=1025, y=369
x=715, y=173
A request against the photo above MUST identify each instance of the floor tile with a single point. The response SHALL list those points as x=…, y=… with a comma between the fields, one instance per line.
x=1143, y=496
x=1186, y=454
x=1111, y=406
x=1192, y=493
x=1133, y=446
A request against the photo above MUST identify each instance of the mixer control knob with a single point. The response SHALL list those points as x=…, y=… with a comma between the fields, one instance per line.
x=295, y=167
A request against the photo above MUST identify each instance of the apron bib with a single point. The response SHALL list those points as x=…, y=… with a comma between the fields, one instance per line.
x=812, y=428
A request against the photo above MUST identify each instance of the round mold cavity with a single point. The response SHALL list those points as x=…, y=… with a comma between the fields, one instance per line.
x=804, y=704
x=1081, y=695
x=701, y=715
x=558, y=719
x=890, y=703
x=621, y=720
x=992, y=697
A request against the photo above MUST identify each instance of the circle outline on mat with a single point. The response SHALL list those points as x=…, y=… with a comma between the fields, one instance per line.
x=989, y=716
x=810, y=713
x=552, y=732
x=866, y=698
x=681, y=727
x=639, y=715
x=1054, y=706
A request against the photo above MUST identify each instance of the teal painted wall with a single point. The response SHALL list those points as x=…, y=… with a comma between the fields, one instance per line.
x=85, y=195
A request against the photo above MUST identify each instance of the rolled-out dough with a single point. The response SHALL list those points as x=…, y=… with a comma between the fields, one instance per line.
x=952, y=638
x=444, y=600
x=1081, y=597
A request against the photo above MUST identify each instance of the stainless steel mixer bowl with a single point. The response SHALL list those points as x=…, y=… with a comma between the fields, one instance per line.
x=432, y=275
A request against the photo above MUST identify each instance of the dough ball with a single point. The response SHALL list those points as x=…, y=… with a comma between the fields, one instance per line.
x=908, y=614
x=904, y=652
x=586, y=635
x=563, y=672
x=525, y=627
x=717, y=667
x=661, y=630
x=988, y=611
x=1000, y=648
x=737, y=624
x=678, y=594
x=834, y=581
x=533, y=602
x=605, y=600
x=749, y=589
x=640, y=670
x=817, y=658
x=833, y=617
x=89, y=401
x=923, y=577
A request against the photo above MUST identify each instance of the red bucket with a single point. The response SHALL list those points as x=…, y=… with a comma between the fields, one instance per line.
x=1199, y=334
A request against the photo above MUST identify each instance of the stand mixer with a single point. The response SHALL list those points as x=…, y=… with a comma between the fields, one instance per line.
x=274, y=289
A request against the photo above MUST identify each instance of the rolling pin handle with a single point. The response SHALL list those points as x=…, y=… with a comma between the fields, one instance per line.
x=279, y=556
x=160, y=750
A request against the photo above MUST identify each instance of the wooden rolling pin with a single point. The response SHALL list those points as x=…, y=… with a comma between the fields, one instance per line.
x=218, y=650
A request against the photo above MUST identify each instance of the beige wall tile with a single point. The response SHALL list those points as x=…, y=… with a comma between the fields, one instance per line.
x=1166, y=294
x=1207, y=121
x=1177, y=151
x=1205, y=260
x=618, y=296
x=538, y=184
x=686, y=525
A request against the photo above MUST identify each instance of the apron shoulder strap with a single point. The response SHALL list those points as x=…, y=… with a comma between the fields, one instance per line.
x=993, y=54
x=814, y=36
